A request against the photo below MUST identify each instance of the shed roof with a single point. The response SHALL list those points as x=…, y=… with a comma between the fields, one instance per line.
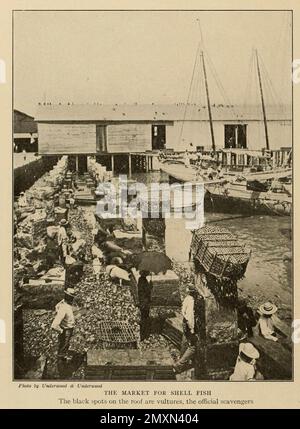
x=155, y=112
x=24, y=123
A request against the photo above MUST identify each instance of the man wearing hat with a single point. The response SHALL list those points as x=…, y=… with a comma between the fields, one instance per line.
x=265, y=322
x=62, y=238
x=64, y=323
x=22, y=201
x=188, y=324
x=245, y=367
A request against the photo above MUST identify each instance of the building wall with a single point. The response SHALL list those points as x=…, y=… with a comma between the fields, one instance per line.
x=66, y=138
x=24, y=123
x=198, y=133
x=128, y=137
x=55, y=138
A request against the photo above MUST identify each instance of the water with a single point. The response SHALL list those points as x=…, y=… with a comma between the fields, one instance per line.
x=268, y=276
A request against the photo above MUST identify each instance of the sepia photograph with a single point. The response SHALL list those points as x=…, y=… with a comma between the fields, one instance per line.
x=152, y=195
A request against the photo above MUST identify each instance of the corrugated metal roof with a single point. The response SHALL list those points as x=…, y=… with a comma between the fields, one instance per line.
x=155, y=112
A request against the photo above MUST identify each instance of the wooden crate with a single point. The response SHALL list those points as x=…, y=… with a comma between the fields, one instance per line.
x=173, y=330
x=129, y=365
x=117, y=335
x=219, y=252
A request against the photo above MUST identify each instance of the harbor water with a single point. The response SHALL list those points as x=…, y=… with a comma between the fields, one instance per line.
x=269, y=272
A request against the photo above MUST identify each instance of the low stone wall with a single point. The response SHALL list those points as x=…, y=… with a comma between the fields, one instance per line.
x=27, y=174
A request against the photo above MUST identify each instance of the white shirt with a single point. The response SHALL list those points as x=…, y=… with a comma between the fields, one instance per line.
x=96, y=252
x=64, y=317
x=97, y=265
x=188, y=312
x=22, y=201
x=62, y=235
x=266, y=326
x=243, y=371
x=116, y=272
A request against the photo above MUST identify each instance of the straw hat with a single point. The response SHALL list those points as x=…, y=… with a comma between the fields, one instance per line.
x=191, y=288
x=70, y=292
x=63, y=222
x=267, y=308
x=249, y=350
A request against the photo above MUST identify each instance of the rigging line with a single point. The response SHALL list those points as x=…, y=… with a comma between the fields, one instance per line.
x=248, y=81
x=227, y=100
x=219, y=84
x=201, y=34
x=272, y=89
x=218, y=81
x=267, y=77
x=269, y=95
x=258, y=106
x=189, y=92
x=246, y=109
x=253, y=83
x=225, y=96
x=222, y=91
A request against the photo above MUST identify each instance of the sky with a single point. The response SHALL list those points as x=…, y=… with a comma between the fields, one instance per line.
x=147, y=57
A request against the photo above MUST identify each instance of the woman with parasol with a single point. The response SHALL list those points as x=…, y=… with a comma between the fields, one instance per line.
x=146, y=263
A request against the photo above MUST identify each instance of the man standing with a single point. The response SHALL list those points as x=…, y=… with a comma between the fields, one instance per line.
x=245, y=367
x=62, y=238
x=189, y=336
x=22, y=201
x=144, y=288
x=64, y=323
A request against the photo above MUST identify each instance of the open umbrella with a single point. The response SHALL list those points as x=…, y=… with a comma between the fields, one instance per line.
x=155, y=262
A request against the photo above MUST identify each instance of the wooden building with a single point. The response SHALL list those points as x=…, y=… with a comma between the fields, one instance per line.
x=140, y=130
x=25, y=132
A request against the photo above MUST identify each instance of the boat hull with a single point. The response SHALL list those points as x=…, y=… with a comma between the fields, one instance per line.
x=243, y=204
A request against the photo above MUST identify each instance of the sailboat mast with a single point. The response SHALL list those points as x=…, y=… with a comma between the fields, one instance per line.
x=262, y=102
x=208, y=104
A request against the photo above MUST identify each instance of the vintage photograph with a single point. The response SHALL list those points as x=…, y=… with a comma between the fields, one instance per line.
x=152, y=195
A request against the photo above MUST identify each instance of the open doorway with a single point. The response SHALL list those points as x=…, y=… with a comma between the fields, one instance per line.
x=82, y=164
x=235, y=136
x=158, y=137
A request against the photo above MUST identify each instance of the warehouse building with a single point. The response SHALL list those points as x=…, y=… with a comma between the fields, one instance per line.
x=124, y=135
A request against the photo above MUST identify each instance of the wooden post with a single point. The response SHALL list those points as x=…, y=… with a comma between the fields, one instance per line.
x=129, y=165
x=147, y=163
x=76, y=160
x=112, y=164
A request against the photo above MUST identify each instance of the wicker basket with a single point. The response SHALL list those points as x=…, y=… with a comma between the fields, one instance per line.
x=117, y=335
x=219, y=252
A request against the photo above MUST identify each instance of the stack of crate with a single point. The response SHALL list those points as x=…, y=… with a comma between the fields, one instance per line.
x=172, y=329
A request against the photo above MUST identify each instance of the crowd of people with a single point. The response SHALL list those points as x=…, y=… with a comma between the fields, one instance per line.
x=70, y=250
x=247, y=362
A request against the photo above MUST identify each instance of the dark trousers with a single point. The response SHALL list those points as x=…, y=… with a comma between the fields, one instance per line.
x=64, y=341
x=188, y=349
x=145, y=322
